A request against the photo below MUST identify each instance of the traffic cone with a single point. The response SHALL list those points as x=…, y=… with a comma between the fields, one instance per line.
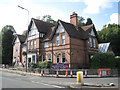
x=85, y=73
x=42, y=72
x=66, y=73
x=57, y=74
x=100, y=74
x=71, y=73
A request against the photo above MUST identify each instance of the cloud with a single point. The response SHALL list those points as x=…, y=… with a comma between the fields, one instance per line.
x=93, y=6
x=114, y=18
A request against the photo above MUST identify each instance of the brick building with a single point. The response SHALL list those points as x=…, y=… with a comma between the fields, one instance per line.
x=18, y=47
x=62, y=43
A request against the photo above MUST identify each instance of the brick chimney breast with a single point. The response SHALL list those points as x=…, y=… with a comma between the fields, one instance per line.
x=74, y=19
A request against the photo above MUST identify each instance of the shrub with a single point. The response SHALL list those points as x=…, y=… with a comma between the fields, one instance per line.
x=103, y=60
x=45, y=64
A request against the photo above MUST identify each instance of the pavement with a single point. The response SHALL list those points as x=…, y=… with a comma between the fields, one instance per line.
x=45, y=75
x=64, y=82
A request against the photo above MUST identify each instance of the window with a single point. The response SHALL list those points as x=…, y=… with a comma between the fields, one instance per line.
x=49, y=56
x=57, y=41
x=34, y=44
x=46, y=44
x=63, y=39
x=57, y=58
x=43, y=57
x=31, y=45
x=41, y=34
x=63, y=57
x=90, y=41
x=94, y=42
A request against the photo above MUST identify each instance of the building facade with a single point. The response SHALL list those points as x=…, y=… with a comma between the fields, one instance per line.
x=61, y=43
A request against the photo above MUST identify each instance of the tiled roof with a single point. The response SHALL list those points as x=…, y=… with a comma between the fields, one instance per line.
x=21, y=38
x=42, y=26
x=49, y=29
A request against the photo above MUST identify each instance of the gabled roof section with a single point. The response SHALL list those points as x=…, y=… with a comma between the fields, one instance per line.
x=43, y=27
x=71, y=30
x=21, y=38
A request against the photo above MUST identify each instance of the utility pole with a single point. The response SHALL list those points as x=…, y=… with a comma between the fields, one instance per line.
x=26, y=37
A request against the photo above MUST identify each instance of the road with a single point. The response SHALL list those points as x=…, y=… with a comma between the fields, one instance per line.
x=12, y=80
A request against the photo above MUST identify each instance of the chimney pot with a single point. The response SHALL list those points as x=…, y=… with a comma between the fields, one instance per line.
x=74, y=19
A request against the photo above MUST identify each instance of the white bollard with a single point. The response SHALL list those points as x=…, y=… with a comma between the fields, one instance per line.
x=80, y=77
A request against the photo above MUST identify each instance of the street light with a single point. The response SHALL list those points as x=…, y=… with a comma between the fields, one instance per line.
x=27, y=35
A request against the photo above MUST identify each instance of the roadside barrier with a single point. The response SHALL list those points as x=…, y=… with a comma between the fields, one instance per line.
x=42, y=72
x=100, y=74
x=85, y=73
x=66, y=73
x=71, y=73
x=57, y=74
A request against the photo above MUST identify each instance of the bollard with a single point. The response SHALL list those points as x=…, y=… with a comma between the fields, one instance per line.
x=85, y=73
x=71, y=73
x=57, y=74
x=80, y=77
x=100, y=75
x=42, y=72
x=66, y=73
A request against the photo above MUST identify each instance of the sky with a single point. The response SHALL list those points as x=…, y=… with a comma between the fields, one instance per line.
x=100, y=11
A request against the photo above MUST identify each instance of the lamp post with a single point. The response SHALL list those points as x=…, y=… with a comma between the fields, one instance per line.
x=27, y=35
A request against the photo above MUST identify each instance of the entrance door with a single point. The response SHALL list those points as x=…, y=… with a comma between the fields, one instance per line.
x=29, y=60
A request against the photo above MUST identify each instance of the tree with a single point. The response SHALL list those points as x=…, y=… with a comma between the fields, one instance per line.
x=81, y=21
x=48, y=18
x=24, y=32
x=89, y=21
x=110, y=33
x=103, y=60
x=7, y=47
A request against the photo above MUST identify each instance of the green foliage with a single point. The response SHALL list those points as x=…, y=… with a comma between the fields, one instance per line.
x=89, y=21
x=32, y=65
x=111, y=33
x=81, y=21
x=48, y=18
x=24, y=32
x=103, y=60
x=117, y=61
x=45, y=64
x=7, y=46
x=24, y=53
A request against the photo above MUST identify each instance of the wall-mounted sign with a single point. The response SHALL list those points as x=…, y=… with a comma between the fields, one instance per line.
x=60, y=66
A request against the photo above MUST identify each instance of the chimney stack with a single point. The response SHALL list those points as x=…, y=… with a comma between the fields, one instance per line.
x=74, y=19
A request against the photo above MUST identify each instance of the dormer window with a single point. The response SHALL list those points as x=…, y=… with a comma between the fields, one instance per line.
x=42, y=35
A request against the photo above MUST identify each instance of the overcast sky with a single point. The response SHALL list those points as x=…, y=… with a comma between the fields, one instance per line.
x=100, y=11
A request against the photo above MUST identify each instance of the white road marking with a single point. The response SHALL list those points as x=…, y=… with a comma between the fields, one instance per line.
x=48, y=84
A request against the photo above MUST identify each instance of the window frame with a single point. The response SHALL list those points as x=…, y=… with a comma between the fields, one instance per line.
x=57, y=57
x=90, y=41
x=63, y=39
x=49, y=57
x=46, y=44
x=94, y=42
x=57, y=40
x=30, y=44
x=34, y=44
